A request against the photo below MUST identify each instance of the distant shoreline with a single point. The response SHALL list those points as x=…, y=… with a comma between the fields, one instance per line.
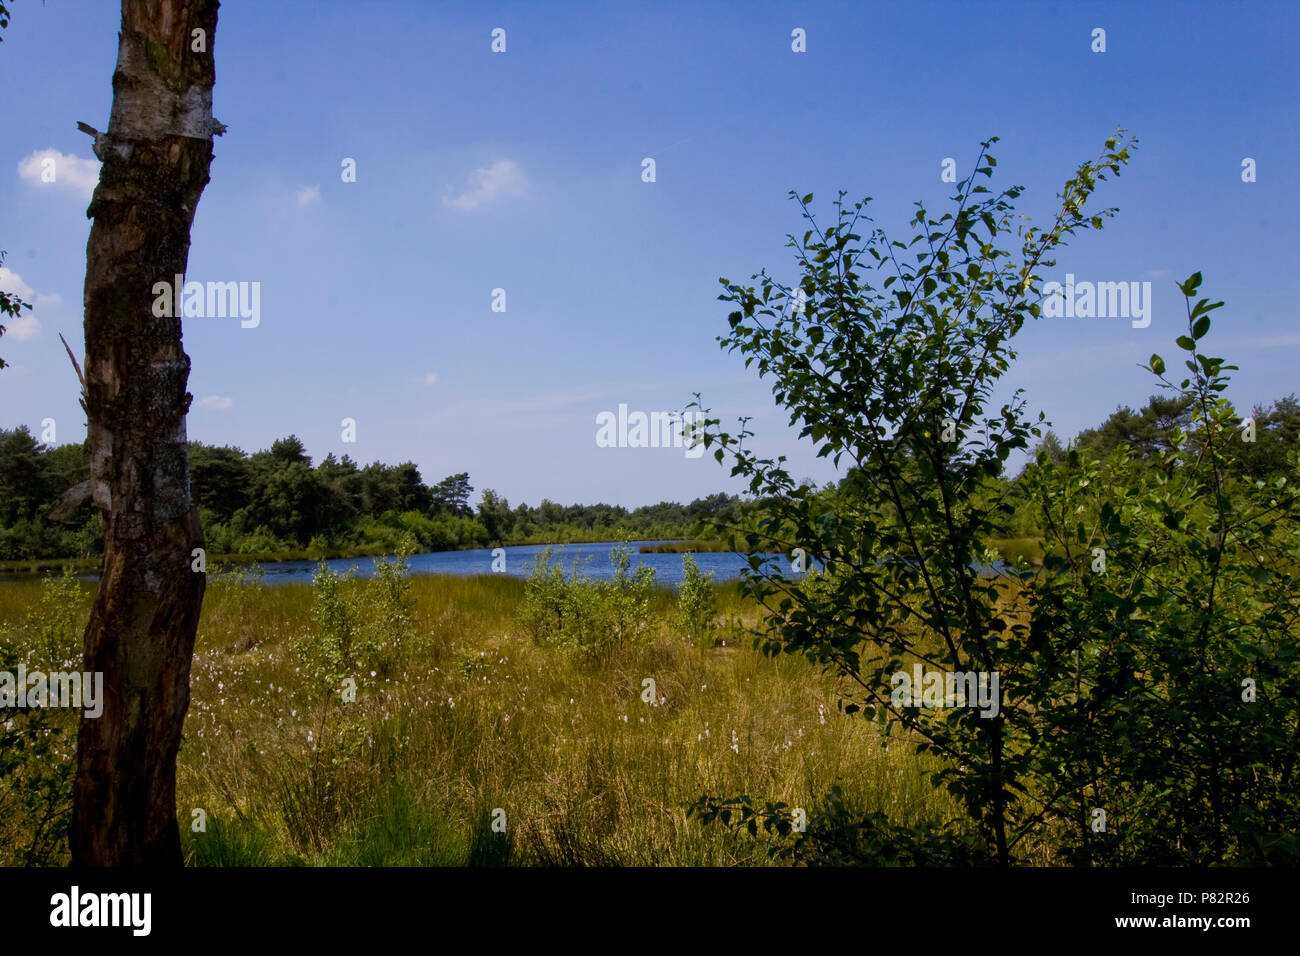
x=25, y=566
x=1029, y=548
x=686, y=547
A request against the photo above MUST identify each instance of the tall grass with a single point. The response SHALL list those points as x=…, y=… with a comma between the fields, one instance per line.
x=476, y=721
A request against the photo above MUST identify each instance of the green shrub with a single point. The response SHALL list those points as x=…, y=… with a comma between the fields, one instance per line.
x=625, y=600
x=1167, y=636
x=899, y=382
x=587, y=615
x=390, y=609
x=327, y=651
x=1140, y=706
x=542, y=613
x=696, y=605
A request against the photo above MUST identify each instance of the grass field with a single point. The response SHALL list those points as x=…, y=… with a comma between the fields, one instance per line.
x=476, y=724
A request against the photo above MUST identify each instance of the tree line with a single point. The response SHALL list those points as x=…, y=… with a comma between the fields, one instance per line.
x=276, y=501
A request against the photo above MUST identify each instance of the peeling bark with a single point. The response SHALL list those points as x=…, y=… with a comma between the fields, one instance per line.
x=156, y=155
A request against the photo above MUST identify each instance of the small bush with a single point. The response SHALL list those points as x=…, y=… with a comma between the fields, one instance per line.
x=586, y=615
x=696, y=605
x=327, y=652
x=390, y=610
x=360, y=625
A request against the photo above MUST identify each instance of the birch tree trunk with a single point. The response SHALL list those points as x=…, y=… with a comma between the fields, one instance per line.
x=156, y=155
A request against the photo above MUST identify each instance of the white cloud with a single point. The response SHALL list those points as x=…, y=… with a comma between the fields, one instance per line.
x=26, y=327
x=502, y=178
x=13, y=283
x=308, y=195
x=217, y=403
x=23, y=329
x=49, y=167
x=431, y=378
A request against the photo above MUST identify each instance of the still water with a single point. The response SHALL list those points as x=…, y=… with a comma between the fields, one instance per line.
x=592, y=562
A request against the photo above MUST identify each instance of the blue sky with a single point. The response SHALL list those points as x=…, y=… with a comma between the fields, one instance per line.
x=522, y=170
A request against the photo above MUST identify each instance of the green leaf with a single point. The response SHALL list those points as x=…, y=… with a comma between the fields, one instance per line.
x=1157, y=364
x=1185, y=343
x=1204, y=306
x=1201, y=327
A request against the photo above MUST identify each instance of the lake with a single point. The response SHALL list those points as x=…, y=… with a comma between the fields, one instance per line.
x=593, y=562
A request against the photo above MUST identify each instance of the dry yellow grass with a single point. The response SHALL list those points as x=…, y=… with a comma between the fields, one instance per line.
x=476, y=720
